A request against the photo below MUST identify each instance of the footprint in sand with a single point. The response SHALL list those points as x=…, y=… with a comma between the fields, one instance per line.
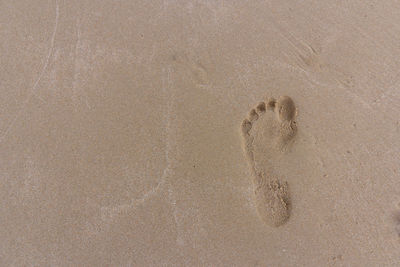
x=267, y=132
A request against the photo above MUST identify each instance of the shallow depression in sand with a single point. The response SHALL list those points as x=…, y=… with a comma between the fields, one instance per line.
x=267, y=133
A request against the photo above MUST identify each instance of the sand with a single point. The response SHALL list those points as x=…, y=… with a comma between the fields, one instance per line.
x=121, y=133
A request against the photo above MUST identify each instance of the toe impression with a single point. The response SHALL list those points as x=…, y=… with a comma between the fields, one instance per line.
x=285, y=109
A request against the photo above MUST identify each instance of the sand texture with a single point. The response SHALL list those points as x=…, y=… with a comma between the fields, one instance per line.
x=199, y=133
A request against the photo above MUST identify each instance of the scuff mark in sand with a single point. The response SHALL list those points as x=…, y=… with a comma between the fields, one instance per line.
x=44, y=69
x=108, y=212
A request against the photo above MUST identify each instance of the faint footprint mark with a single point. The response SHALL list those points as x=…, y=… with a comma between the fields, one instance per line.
x=197, y=69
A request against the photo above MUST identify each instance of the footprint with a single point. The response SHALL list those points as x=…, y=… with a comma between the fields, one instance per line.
x=268, y=132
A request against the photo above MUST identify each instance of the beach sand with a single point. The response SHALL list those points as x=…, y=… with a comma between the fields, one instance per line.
x=121, y=138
